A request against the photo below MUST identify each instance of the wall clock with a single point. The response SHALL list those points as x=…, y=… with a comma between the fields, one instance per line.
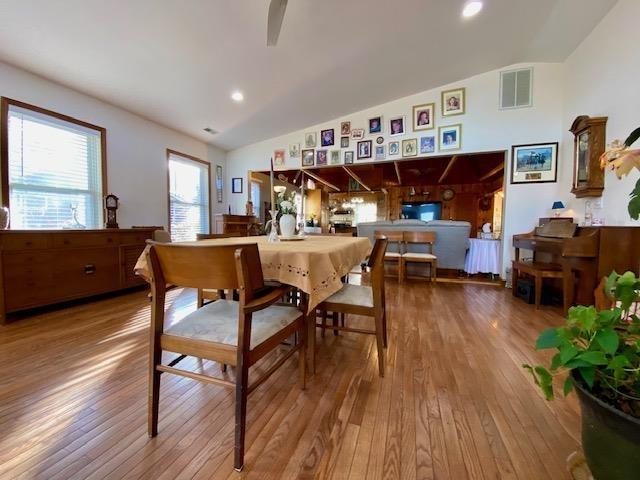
x=448, y=194
x=588, y=144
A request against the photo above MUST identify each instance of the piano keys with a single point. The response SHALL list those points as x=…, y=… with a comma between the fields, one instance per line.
x=592, y=253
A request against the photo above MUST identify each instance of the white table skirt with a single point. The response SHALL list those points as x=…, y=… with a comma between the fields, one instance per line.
x=483, y=256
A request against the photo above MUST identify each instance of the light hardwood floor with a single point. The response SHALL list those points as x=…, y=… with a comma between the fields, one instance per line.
x=454, y=403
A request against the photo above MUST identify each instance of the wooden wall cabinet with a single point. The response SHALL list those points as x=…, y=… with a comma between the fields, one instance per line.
x=588, y=144
x=44, y=267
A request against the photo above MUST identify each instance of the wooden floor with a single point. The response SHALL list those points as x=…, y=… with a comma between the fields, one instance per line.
x=454, y=404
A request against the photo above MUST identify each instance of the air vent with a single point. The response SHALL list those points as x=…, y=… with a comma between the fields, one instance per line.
x=210, y=130
x=516, y=88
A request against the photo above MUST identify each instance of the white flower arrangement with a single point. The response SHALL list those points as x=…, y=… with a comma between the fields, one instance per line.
x=287, y=204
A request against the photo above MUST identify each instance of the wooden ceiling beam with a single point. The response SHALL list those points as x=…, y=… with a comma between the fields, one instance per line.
x=356, y=178
x=321, y=180
x=448, y=168
x=397, y=167
x=492, y=172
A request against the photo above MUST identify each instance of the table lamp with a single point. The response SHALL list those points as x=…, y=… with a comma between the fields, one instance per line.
x=557, y=207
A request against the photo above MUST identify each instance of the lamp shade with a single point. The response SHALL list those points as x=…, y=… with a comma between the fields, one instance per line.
x=557, y=205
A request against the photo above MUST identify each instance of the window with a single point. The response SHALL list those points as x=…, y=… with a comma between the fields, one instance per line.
x=53, y=168
x=189, y=180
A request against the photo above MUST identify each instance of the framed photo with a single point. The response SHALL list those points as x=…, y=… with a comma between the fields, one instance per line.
x=344, y=142
x=310, y=140
x=219, y=183
x=450, y=137
x=379, y=152
x=428, y=144
x=345, y=128
x=321, y=157
x=357, y=133
x=535, y=163
x=424, y=116
x=364, y=149
x=375, y=125
x=380, y=140
x=348, y=157
x=410, y=147
x=396, y=126
x=394, y=149
x=453, y=102
x=294, y=150
x=308, y=158
x=236, y=185
x=326, y=137
x=278, y=158
x=335, y=157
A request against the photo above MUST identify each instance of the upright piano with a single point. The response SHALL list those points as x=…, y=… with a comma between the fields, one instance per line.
x=592, y=253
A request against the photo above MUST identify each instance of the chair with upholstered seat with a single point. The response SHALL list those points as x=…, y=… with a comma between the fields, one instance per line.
x=419, y=238
x=238, y=333
x=363, y=300
x=394, y=240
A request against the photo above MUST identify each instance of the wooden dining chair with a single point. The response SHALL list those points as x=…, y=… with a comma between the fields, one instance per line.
x=211, y=236
x=210, y=295
x=394, y=238
x=419, y=238
x=363, y=300
x=238, y=333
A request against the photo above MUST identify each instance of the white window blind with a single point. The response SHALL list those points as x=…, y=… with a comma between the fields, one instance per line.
x=55, y=169
x=188, y=198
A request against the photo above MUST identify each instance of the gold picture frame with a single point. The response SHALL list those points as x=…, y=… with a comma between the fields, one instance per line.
x=453, y=102
x=418, y=111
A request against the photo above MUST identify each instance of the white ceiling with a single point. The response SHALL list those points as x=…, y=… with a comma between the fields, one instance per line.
x=177, y=61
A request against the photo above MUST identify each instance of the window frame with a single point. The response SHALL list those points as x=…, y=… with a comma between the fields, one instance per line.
x=194, y=159
x=5, y=103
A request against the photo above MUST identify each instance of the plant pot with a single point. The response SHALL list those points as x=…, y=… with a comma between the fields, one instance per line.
x=287, y=225
x=610, y=438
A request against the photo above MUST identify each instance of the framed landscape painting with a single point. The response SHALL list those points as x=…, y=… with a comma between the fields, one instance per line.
x=535, y=163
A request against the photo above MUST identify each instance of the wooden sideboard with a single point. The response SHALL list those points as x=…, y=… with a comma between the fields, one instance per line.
x=225, y=223
x=44, y=267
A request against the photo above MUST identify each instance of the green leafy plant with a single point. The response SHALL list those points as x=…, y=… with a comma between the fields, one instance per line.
x=599, y=348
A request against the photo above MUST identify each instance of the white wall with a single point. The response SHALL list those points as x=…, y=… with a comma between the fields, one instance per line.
x=484, y=128
x=602, y=78
x=136, y=147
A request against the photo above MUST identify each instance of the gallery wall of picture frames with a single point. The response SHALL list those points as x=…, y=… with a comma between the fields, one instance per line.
x=381, y=137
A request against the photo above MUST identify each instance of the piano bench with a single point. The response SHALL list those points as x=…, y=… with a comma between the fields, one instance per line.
x=540, y=271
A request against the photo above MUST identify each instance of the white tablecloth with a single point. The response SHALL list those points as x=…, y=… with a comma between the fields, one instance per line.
x=483, y=256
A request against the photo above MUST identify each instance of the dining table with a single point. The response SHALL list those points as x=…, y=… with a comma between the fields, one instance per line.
x=315, y=265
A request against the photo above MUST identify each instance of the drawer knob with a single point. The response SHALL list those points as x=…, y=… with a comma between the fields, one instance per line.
x=89, y=269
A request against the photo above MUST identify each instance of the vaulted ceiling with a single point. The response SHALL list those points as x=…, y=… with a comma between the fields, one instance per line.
x=177, y=62
x=485, y=168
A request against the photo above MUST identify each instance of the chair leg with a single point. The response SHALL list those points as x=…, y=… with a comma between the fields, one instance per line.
x=324, y=323
x=401, y=267
x=302, y=357
x=384, y=329
x=154, y=402
x=538, y=287
x=433, y=270
x=334, y=316
x=241, y=415
x=514, y=281
x=342, y=319
x=380, y=342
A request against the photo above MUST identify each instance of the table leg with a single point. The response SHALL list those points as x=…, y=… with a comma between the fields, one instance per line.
x=310, y=319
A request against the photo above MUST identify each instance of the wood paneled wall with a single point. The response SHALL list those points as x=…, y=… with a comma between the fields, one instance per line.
x=464, y=206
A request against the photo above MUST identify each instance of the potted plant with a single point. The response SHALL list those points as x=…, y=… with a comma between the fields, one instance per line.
x=287, y=207
x=599, y=352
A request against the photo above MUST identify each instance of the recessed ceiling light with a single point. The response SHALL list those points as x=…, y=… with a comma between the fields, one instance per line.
x=471, y=9
x=237, y=96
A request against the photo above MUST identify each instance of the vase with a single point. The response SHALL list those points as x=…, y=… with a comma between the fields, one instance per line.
x=610, y=438
x=4, y=218
x=287, y=225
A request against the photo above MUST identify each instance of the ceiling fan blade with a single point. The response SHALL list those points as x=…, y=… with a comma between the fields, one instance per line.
x=274, y=22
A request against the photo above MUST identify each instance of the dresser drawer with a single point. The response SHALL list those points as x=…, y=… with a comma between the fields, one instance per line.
x=25, y=241
x=89, y=239
x=134, y=238
x=27, y=279
x=86, y=271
